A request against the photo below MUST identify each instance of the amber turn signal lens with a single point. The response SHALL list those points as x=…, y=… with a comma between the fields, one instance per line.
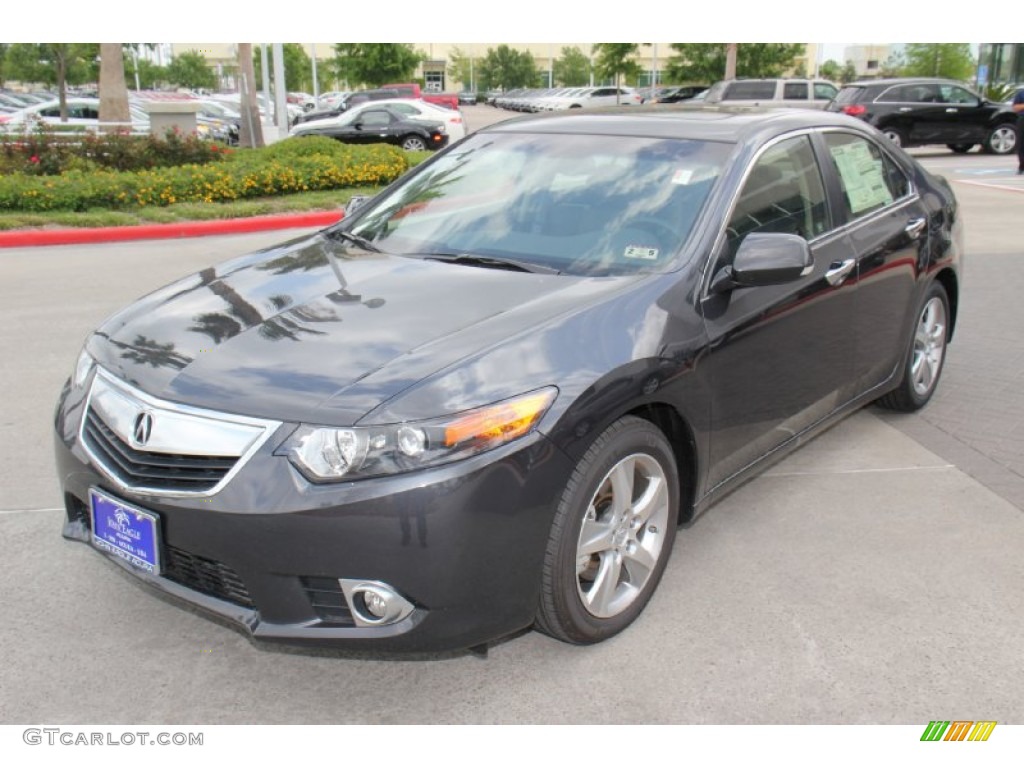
x=501, y=422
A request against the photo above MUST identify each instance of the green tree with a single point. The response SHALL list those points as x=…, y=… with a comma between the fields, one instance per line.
x=952, y=60
x=831, y=70
x=190, y=69
x=848, y=74
x=461, y=68
x=572, y=68
x=893, y=66
x=57, y=64
x=151, y=75
x=375, y=64
x=298, y=69
x=3, y=57
x=615, y=61
x=705, y=62
x=506, y=68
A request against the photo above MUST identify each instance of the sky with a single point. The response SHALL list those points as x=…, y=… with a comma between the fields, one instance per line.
x=479, y=20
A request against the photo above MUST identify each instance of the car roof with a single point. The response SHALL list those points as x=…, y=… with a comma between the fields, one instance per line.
x=680, y=121
x=900, y=81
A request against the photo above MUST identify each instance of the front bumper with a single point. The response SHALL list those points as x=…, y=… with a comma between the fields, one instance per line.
x=463, y=543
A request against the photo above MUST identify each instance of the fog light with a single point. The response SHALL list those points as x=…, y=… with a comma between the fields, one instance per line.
x=373, y=603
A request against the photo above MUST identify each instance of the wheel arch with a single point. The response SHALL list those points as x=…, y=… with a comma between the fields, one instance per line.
x=947, y=277
x=680, y=436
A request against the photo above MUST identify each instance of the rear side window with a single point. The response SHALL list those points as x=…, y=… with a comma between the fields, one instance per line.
x=824, y=91
x=870, y=180
x=849, y=95
x=794, y=91
x=750, y=91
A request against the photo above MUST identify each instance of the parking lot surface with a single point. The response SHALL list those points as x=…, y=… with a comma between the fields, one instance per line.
x=872, y=577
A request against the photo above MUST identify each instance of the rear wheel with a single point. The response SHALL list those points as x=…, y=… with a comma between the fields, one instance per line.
x=612, y=534
x=413, y=143
x=1002, y=140
x=927, y=354
x=961, y=149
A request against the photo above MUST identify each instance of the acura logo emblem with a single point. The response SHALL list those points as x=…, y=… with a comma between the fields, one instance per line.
x=143, y=428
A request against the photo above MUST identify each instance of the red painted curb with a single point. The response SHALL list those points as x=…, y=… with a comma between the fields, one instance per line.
x=30, y=237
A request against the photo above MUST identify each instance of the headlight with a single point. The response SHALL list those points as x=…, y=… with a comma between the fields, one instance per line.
x=83, y=368
x=324, y=454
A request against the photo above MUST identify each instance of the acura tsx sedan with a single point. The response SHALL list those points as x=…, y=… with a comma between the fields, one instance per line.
x=487, y=399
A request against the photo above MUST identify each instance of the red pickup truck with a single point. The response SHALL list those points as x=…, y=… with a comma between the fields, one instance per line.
x=413, y=91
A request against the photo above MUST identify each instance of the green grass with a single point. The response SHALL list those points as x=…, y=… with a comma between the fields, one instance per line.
x=298, y=203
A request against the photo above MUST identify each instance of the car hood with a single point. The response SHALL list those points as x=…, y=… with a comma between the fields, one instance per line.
x=316, y=331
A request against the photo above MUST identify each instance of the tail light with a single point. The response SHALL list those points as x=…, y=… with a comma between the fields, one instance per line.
x=855, y=110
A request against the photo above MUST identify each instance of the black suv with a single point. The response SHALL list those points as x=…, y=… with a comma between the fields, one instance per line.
x=912, y=112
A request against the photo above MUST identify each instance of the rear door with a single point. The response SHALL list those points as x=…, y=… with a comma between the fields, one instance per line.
x=887, y=231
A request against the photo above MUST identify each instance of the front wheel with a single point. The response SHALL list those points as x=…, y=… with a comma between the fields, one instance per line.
x=413, y=143
x=927, y=354
x=611, y=536
x=896, y=136
x=1002, y=140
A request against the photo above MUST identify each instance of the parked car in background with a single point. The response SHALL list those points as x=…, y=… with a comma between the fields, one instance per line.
x=375, y=124
x=918, y=111
x=677, y=93
x=488, y=398
x=467, y=97
x=772, y=92
x=82, y=113
x=347, y=102
x=413, y=91
x=453, y=120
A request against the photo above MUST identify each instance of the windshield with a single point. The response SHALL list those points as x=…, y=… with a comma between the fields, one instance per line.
x=578, y=204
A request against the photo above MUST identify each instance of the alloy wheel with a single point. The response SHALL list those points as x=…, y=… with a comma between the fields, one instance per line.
x=929, y=346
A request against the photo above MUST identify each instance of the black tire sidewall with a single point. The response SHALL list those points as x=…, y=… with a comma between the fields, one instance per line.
x=627, y=436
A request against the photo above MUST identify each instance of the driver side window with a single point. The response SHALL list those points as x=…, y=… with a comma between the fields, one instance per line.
x=782, y=193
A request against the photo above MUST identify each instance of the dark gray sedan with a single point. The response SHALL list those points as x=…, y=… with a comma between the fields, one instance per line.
x=487, y=399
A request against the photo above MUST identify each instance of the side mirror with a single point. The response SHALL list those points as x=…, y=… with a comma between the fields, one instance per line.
x=354, y=202
x=765, y=258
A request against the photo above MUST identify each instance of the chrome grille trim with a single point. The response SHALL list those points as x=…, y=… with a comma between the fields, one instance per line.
x=182, y=436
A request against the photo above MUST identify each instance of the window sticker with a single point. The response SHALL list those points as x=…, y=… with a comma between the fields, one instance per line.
x=641, y=252
x=682, y=176
x=863, y=176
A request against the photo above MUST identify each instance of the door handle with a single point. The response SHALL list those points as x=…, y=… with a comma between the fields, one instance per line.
x=954, y=111
x=915, y=227
x=839, y=271
x=905, y=109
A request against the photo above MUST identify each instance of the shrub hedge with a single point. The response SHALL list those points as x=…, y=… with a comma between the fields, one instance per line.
x=292, y=165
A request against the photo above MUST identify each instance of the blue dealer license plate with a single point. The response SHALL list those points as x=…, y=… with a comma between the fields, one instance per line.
x=125, y=531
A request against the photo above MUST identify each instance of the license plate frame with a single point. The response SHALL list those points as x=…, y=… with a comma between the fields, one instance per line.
x=125, y=531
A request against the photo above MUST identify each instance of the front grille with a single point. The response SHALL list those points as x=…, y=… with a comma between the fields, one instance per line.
x=205, y=575
x=328, y=600
x=144, y=469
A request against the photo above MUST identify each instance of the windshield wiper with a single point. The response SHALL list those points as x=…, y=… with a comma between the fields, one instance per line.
x=359, y=240
x=492, y=262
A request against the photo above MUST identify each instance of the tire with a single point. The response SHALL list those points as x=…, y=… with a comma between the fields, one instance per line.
x=926, y=355
x=611, y=536
x=413, y=143
x=896, y=136
x=1001, y=140
x=961, y=149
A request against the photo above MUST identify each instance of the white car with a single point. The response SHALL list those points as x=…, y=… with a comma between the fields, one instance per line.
x=83, y=112
x=602, y=96
x=454, y=122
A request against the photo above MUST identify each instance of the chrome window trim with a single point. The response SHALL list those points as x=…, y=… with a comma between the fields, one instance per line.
x=262, y=430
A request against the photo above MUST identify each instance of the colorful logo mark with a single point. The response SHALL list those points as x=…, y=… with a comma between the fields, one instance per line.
x=958, y=730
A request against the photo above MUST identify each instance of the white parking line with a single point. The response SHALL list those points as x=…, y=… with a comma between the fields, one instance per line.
x=19, y=511
x=860, y=471
x=1003, y=187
